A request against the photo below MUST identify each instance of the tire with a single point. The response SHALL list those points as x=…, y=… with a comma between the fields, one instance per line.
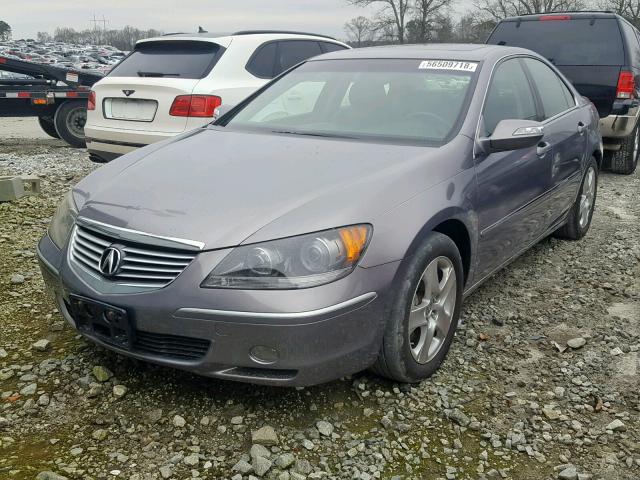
x=47, y=125
x=69, y=121
x=625, y=160
x=581, y=213
x=401, y=358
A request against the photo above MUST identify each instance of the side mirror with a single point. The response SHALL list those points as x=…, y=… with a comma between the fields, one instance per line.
x=513, y=135
x=221, y=110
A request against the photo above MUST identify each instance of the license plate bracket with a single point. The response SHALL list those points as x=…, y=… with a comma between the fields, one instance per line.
x=107, y=323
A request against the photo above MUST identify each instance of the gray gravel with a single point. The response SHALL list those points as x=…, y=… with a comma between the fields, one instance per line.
x=541, y=382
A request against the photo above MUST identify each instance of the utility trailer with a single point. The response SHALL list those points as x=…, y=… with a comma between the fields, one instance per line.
x=57, y=96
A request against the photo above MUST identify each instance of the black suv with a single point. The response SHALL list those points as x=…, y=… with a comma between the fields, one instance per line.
x=599, y=52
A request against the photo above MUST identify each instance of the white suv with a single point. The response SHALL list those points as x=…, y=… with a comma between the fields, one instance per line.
x=174, y=83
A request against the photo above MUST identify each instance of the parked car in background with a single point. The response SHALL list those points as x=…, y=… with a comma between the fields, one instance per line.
x=599, y=52
x=296, y=248
x=172, y=84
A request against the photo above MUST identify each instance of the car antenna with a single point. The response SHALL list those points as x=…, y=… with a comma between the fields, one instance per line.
x=202, y=30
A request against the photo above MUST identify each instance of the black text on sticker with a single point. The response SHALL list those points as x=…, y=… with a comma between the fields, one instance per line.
x=448, y=65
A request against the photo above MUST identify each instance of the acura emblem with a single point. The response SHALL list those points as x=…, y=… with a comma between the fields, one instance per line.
x=110, y=261
x=128, y=92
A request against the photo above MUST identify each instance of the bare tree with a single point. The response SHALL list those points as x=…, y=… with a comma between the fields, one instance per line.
x=425, y=12
x=392, y=12
x=629, y=9
x=5, y=30
x=473, y=29
x=359, y=31
x=499, y=9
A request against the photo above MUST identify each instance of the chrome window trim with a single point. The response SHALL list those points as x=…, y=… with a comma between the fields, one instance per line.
x=141, y=237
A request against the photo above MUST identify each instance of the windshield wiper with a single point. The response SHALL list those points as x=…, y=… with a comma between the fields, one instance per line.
x=157, y=74
x=312, y=134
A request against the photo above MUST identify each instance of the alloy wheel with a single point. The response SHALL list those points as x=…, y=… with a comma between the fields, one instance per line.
x=588, y=196
x=432, y=310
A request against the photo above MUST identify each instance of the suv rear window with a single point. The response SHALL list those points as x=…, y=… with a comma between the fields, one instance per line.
x=565, y=42
x=179, y=59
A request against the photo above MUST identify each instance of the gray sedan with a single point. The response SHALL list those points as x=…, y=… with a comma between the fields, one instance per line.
x=332, y=222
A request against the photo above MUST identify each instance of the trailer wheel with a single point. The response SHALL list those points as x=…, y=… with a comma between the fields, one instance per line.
x=69, y=121
x=47, y=125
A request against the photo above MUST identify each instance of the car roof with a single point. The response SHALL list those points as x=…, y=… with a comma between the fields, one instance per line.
x=436, y=51
x=225, y=38
x=574, y=15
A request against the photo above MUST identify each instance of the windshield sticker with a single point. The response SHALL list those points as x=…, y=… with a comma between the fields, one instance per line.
x=448, y=65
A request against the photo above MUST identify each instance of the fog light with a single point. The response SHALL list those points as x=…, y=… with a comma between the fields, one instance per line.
x=264, y=355
x=112, y=316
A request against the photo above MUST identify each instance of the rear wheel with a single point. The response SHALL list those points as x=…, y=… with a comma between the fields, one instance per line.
x=47, y=125
x=579, y=219
x=625, y=160
x=423, y=315
x=69, y=121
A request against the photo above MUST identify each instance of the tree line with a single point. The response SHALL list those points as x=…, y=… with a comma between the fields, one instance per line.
x=123, y=39
x=422, y=21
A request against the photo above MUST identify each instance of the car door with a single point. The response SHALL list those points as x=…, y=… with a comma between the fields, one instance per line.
x=510, y=184
x=565, y=126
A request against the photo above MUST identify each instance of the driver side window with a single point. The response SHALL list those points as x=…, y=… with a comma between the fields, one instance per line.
x=509, y=96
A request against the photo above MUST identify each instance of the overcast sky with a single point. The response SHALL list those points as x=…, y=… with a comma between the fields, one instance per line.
x=27, y=17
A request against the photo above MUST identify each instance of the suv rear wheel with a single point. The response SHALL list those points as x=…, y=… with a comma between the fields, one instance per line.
x=625, y=160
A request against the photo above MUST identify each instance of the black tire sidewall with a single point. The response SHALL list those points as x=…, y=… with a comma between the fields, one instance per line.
x=48, y=127
x=60, y=121
x=399, y=360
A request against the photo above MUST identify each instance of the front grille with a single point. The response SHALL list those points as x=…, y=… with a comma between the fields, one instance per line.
x=172, y=346
x=141, y=265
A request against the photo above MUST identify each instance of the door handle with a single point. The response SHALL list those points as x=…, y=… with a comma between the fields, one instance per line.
x=581, y=128
x=543, y=148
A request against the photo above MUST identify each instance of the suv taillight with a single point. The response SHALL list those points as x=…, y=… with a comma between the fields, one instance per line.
x=626, y=85
x=194, y=105
x=91, y=102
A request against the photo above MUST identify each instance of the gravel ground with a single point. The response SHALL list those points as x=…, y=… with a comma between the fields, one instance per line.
x=541, y=382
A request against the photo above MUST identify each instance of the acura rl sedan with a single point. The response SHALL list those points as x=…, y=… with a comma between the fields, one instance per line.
x=301, y=238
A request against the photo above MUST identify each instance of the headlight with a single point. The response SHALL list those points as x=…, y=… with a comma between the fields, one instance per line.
x=63, y=221
x=296, y=262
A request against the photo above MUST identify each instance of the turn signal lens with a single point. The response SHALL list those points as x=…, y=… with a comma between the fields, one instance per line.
x=91, y=102
x=354, y=240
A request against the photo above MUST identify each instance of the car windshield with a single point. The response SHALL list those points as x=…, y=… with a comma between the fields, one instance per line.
x=389, y=100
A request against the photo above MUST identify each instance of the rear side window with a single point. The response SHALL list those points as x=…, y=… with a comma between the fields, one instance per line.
x=263, y=62
x=554, y=94
x=509, y=97
x=566, y=42
x=171, y=59
x=331, y=47
x=292, y=52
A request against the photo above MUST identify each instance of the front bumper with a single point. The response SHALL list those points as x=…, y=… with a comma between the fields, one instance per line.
x=319, y=334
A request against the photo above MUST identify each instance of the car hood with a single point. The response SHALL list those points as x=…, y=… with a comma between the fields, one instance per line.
x=224, y=187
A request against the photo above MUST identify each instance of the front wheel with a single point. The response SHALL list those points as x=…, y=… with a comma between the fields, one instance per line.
x=69, y=120
x=423, y=315
x=581, y=213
